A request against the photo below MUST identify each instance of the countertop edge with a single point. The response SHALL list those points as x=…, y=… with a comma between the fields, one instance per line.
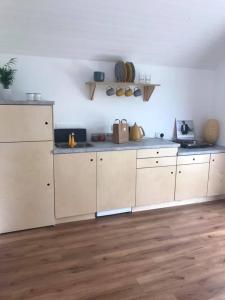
x=26, y=102
x=108, y=146
x=122, y=147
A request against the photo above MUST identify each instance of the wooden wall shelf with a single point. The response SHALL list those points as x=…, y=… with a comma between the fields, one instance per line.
x=147, y=89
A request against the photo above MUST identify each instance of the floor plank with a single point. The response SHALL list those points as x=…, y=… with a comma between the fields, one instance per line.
x=168, y=254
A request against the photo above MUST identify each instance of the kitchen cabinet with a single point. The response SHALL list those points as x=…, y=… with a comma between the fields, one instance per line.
x=116, y=175
x=26, y=167
x=216, y=184
x=19, y=123
x=155, y=185
x=75, y=184
x=26, y=185
x=191, y=181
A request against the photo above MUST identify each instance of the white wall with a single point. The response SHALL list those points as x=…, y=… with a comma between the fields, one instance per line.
x=218, y=103
x=184, y=94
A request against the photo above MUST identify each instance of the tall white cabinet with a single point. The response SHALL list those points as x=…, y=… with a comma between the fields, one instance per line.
x=26, y=167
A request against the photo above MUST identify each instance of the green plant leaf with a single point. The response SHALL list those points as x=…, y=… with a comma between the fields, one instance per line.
x=7, y=73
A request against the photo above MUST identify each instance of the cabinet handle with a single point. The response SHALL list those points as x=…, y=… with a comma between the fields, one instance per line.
x=101, y=159
x=46, y=123
x=157, y=161
x=193, y=158
x=171, y=172
x=48, y=184
x=213, y=160
x=91, y=159
x=179, y=172
x=157, y=152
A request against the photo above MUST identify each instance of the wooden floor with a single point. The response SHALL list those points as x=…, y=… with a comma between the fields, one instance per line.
x=168, y=254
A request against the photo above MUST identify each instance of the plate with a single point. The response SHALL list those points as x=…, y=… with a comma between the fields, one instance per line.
x=129, y=72
x=120, y=71
x=133, y=71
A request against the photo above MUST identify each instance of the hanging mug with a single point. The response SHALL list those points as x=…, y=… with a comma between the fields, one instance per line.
x=120, y=92
x=128, y=92
x=137, y=92
x=110, y=91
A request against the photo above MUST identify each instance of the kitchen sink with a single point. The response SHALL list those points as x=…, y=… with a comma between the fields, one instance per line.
x=79, y=145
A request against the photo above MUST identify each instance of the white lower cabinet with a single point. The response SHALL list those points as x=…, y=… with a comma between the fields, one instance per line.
x=217, y=175
x=26, y=185
x=75, y=184
x=191, y=181
x=116, y=174
x=86, y=183
x=89, y=182
x=155, y=185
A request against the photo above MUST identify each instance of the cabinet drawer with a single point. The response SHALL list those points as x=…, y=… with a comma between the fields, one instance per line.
x=193, y=159
x=144, y=153
x=156, y=162
x=21, y=123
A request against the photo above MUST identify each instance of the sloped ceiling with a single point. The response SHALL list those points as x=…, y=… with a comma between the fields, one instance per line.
x=185, y=33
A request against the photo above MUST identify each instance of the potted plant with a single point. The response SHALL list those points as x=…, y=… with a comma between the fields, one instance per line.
x=7, y=76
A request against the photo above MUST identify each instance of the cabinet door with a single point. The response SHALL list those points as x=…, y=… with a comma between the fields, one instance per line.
x=26, y=185
x=20, y=123
x=75, y=184
x=191, y=181
x=217, y=175
x=155, y=185
x=116, y=173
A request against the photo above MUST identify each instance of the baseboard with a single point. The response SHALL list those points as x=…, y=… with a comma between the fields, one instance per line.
x=113, y=212
x=76, y=218
x=177, y=203
x=138, y=208
x=219, y=197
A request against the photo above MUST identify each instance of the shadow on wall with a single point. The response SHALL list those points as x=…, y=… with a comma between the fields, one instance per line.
x=212, y=55
x=78, y=75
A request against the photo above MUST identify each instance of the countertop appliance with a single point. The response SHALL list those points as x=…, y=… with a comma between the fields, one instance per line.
x=136, y=132
x=192, y=144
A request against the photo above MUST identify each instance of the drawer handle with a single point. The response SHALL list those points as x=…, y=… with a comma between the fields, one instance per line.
x=101, y=159
x=172, y=173
x=48, y=184
x=213, y=159
x=157, y=161
x=46, y=123
x=157, y=152
x=91, y=159
x=179, y=172
x=193, y=158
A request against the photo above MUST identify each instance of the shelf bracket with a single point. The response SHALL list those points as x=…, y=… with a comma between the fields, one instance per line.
x=92, y=87
x=148, y=90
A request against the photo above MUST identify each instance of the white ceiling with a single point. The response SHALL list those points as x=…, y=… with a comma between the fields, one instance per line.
x=186, y=33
